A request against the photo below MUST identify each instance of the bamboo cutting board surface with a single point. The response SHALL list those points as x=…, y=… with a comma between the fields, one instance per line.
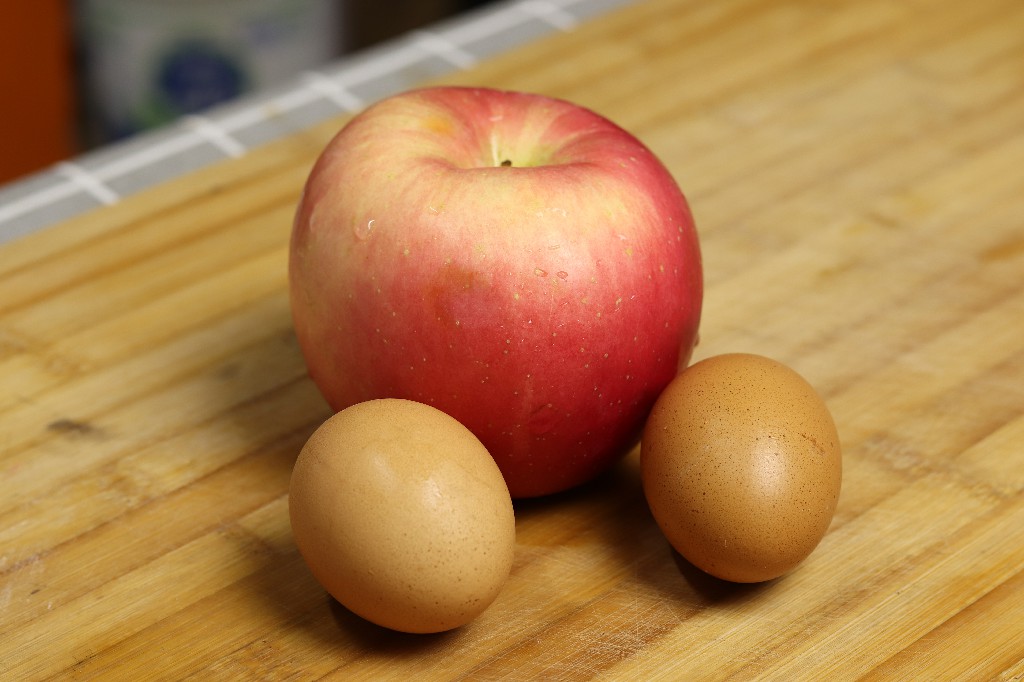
x=855, y=171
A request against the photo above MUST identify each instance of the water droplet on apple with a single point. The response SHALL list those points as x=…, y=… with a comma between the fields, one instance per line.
x=540, y=273
x=562, y=274
x=363, y=230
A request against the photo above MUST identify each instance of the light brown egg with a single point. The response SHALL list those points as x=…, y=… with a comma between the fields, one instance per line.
x=741, y=466
x=403, y=516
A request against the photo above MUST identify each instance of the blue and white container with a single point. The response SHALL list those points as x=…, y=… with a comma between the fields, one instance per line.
x=148, y=62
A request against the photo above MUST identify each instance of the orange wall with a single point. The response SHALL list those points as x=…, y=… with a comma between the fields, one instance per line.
x=36, y=85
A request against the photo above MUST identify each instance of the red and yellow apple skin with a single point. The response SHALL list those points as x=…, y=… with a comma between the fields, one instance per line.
x=516, y=261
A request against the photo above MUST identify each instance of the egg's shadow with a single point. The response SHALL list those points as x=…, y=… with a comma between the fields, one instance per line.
x=370, y=637
x=292, y=598
x=635, y=541
x=712, y=590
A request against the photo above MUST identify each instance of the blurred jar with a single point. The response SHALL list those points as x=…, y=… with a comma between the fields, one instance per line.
x=148, y=62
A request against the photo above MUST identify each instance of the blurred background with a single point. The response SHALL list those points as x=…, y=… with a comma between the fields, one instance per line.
x=76, y=74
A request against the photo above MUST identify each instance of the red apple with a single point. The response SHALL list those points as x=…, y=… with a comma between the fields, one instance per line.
x=516, y=261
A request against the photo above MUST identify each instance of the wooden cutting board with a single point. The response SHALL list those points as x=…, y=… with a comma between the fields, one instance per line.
x=855, y=167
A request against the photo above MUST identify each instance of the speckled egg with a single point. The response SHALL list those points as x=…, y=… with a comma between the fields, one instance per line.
x=403, y=516
x=741, y=466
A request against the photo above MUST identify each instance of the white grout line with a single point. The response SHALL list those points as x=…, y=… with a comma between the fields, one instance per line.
x=486, y=25
x=216, y=134
x=549, y=12
x=243, y=118
x=568, y=3
x=434, y=44
x=88, y=182
x=440, y=46
x=147, y=156
x=333, y=91
x=564, y=4
x=264, y=111
x=381, y=65
x=40, y=199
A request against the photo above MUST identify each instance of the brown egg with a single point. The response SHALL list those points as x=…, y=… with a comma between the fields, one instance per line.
x=403, y=516
x=741, y=466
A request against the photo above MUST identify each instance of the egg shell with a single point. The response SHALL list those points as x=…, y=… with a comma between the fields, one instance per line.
x=403, y=516
x=741, y=466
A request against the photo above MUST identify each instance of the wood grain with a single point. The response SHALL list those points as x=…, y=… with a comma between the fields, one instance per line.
x=855, y=170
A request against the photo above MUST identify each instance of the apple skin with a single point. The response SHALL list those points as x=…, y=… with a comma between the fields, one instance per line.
x=519, y=262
